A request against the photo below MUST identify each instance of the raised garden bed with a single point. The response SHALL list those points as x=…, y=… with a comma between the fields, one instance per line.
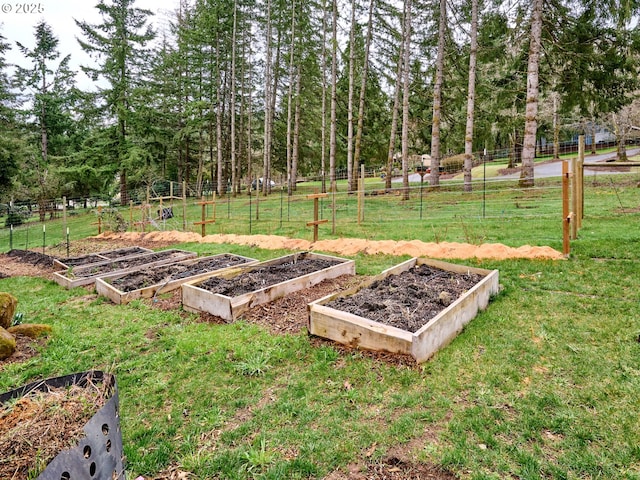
x=104, y=256
x=62, y=428
x=85, y=275
x=229, y=294
x=414, y=308
x=121, y=288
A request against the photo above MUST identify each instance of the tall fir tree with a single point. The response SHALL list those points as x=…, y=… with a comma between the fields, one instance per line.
x=118, y=44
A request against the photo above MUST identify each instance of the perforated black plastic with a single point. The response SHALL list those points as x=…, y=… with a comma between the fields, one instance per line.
x=99, y=455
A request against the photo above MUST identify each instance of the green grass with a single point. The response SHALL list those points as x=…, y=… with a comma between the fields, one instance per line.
x=543, y=384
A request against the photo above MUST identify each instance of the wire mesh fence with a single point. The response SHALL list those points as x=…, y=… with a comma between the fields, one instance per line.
x=495, y=210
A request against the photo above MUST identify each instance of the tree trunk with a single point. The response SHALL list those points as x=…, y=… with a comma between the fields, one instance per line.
x=471, y=98
x=334, y=100
x=323, y=148
x=531, y=112
x=363, y=87
x=296, y=134
x=290, y=98
x=266, y=158
x=394, y=118
x=556, y=128
x=437, y=98
x=352, y=62
x=221, y=182
x=405, y=101
x=232, y=109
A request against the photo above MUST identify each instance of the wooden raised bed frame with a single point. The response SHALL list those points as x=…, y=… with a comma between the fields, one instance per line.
x=105, y=288
x=101, y=257
x=347, y=328
x=196, y=299
x=82, y=280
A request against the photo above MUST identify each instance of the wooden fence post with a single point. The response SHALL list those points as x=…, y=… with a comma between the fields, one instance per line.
x=316, y=222
x=565, y=208
x=574, y=197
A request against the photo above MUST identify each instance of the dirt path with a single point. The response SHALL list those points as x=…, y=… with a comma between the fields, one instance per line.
x=349, y=246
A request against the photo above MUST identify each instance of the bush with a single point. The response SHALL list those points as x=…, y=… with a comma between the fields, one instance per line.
x=454, y=164
x=14, y=218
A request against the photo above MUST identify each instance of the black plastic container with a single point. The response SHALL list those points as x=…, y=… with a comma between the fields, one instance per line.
x=98, y=455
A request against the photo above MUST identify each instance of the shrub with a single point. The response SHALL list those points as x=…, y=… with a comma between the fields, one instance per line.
x=452, y=164
x=14, y=218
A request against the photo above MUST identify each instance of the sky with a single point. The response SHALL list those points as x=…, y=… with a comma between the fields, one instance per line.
x=18, y=22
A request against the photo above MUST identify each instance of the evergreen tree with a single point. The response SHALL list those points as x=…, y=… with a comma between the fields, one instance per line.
x=12, y=148
x=49, y=94
x=119, y=44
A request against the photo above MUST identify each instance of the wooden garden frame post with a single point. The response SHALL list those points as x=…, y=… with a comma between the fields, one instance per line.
x=131, y=214
x=316, y=210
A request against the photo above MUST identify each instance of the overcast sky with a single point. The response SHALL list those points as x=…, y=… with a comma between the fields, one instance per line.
x=18, y=25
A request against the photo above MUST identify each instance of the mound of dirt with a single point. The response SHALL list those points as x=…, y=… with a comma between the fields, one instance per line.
x=348, y=246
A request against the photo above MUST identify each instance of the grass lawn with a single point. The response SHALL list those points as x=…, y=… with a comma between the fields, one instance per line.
x=543, y=384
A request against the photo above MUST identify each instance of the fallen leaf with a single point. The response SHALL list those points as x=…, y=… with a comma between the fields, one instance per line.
x=371, y=450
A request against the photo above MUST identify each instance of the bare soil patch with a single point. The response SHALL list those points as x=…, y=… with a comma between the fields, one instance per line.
x=393, y=468
x=26, y=348
x=25, y=263
x=410, y=299
x=164, y=274
x=288, y=314
x=345, y=246
x=39, y=425
x=261, y=277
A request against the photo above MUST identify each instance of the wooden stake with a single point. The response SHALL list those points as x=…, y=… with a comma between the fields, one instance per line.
x=204, y=220
x=574, y=197
x=316, y=211
x=565, y=208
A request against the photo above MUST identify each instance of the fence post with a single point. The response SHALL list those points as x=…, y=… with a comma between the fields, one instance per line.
x=565, y=208
x=184, y=206
x=574, y=197
x=580, y=182
x=64, y=214
x=361, y=195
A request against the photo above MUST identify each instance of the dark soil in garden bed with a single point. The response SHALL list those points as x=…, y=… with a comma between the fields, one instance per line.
x=102, y=256
x=35, y=428
x=30, y=257
x=25, y=263
x=166, y=273
x=95, y=270
x=265, y=276
x=410, y=299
